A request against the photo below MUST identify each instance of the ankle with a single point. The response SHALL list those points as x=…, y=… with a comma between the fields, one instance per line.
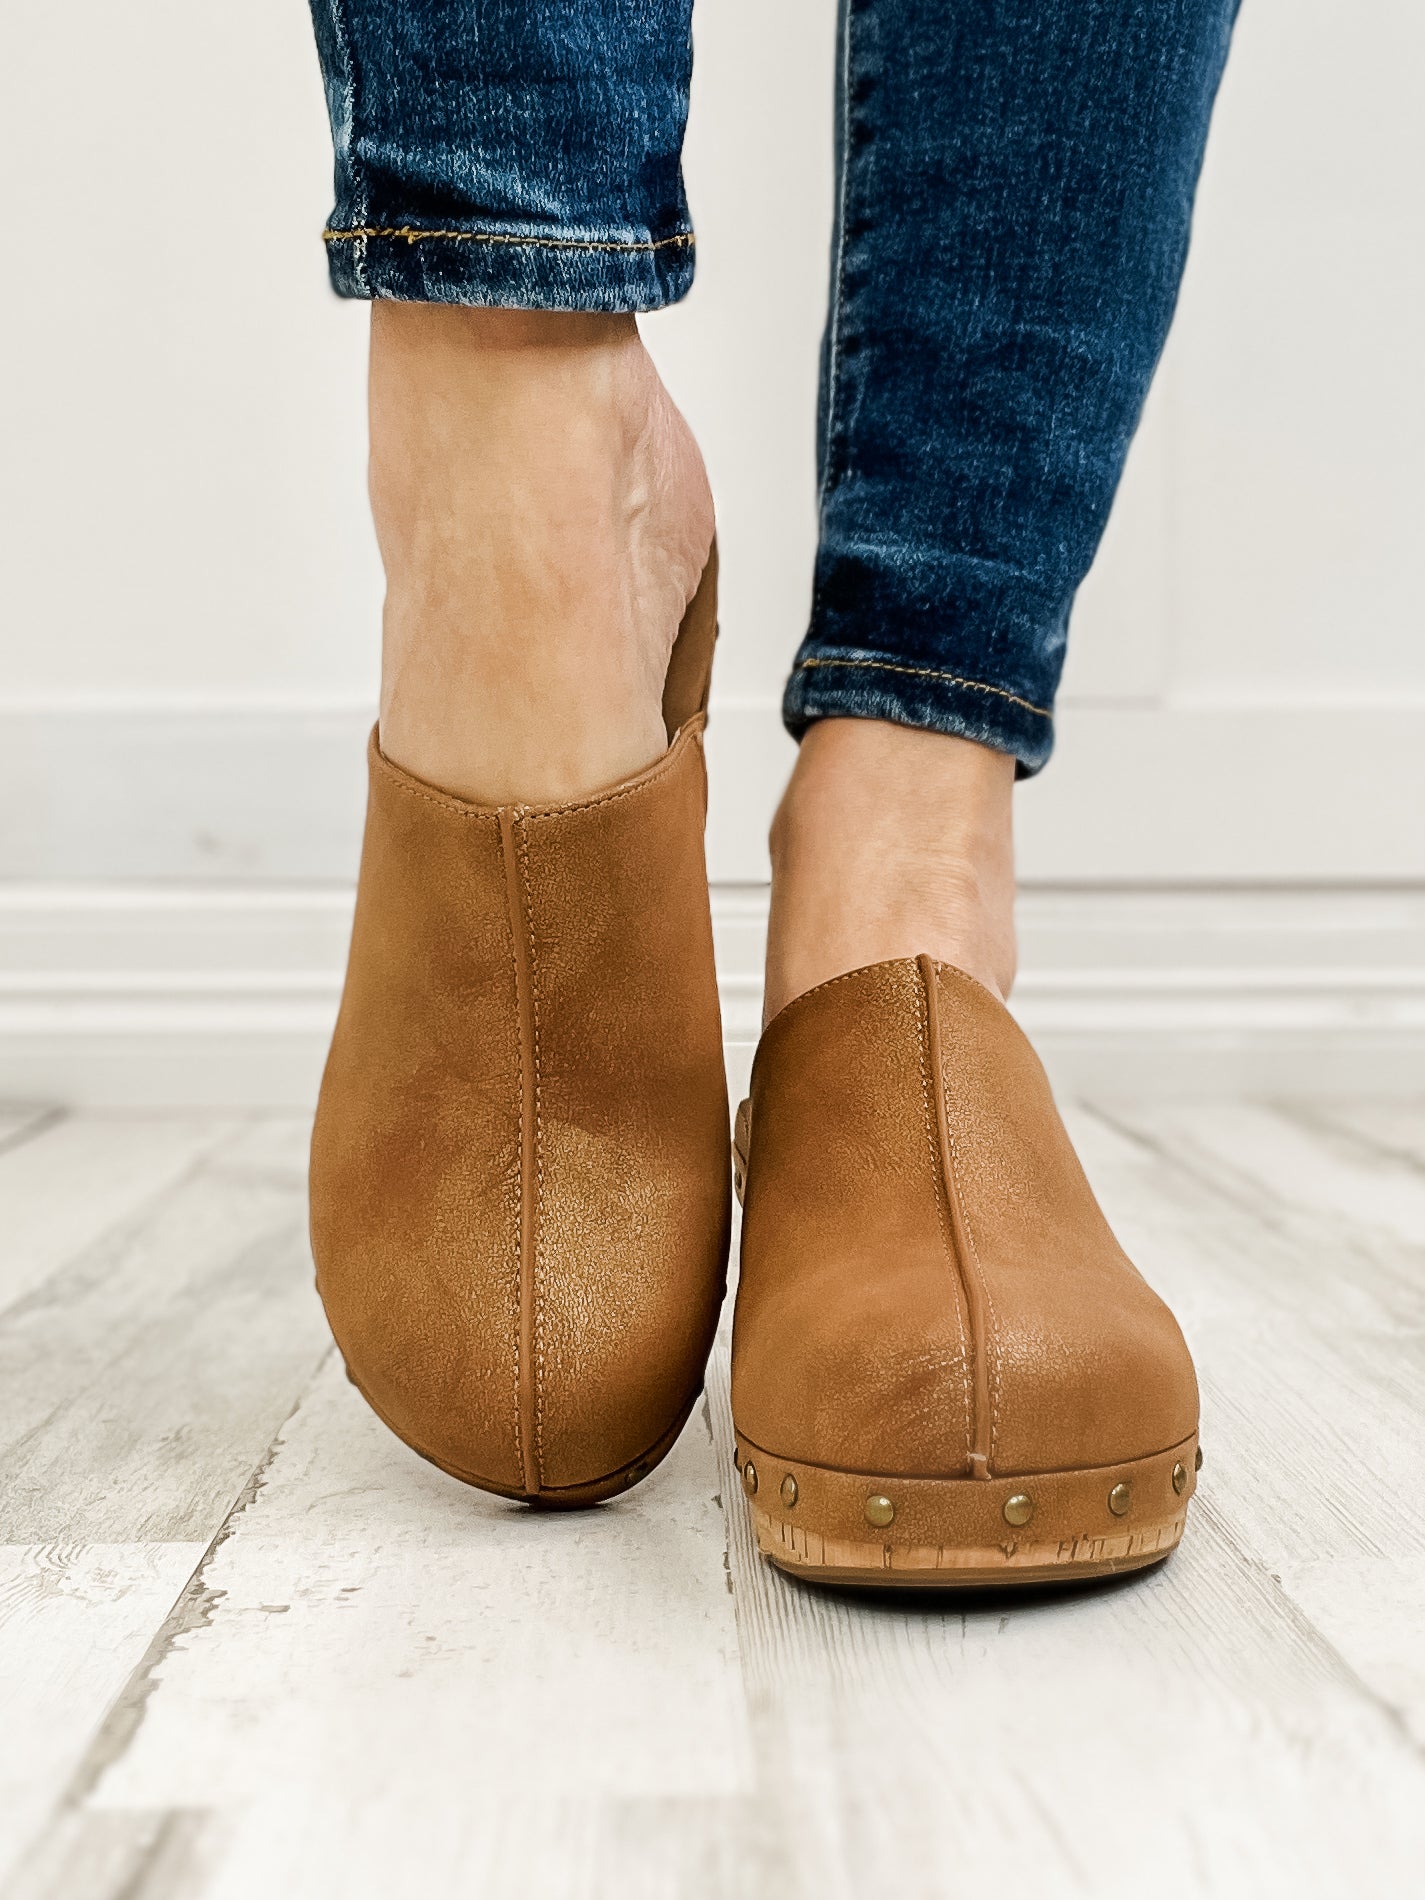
x=457, y=394
x=891, y=842
x=543, y=518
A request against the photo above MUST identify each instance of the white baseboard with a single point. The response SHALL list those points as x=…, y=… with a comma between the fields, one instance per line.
x=223, y=995
x=1206, y=908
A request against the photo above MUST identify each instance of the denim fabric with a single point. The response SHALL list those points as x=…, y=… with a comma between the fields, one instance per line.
x=1015, y=184
x=521, y=153
x=1015, y=187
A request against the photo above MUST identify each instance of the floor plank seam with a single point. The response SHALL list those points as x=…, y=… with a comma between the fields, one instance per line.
x=193, y=1609
x=124, y=1225
x=1315, y=1121
x=718, y=1496
x=1254, y=1201
x=45, y=1119
x=1291, y=1611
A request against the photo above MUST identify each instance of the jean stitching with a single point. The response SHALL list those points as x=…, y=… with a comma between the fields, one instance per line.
x=931, y=673
x=415, y=235
x=838, y=300
x=833, y=354
x=342, y=33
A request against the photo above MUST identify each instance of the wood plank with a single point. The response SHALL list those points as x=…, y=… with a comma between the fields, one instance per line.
x=378, y=1681
x=1395, y=1129
x=19, y=1121
x=1291, y=1256
x=1369, y=1609
x=376, y=1634
x=443, y=1845
x=1191, y=1721
x=1309, y=1335
x=1304, y=1164
x=1220, y=1234
x=96, y=1856
x=74, y=1622
x=141, y=1383
x=75, y=1177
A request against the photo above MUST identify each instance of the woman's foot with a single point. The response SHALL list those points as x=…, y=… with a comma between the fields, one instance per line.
x=890, y=842
x=519, y=1180
x=944, y=1370
x=543, y=516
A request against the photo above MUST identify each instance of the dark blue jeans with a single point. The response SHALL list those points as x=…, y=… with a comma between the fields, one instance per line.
x=1015, y=185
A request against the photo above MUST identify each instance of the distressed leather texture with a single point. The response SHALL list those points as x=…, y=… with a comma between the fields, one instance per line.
x=519, y=1175
x=928, y=1286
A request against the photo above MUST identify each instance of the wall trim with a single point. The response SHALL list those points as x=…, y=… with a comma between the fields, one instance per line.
x=125, y=995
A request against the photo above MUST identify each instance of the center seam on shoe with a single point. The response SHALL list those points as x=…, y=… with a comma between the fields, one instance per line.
x=536, y=1295
x=527, y=1147
x=947, y=1236
x=972, y=1276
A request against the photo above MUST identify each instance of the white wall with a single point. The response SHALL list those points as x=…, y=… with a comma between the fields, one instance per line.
x=189, y=594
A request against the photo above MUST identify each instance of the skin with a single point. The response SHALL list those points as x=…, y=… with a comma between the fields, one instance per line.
x=543, y=515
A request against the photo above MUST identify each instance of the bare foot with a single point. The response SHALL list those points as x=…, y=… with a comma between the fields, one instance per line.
x=890, y=842
x=544, y=516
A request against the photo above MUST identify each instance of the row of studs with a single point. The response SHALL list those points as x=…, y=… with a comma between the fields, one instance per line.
x=1018, y=1510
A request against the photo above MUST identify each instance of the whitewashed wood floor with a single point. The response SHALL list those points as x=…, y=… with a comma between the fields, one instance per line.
x=250, y=1647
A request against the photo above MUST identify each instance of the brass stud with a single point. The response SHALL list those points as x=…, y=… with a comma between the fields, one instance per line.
x=1119, y=1499
x=1018, y=1509
x=1179, y=1479
x=749, y=1478
x=789, y=1490
x=879, y=1511
x=1197, y=1460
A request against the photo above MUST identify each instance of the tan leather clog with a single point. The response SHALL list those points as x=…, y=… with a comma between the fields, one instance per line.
x=945, y=1370
x=519, y=1178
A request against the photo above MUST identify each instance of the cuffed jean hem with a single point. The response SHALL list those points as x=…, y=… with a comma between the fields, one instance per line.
x=509, y=270
x=829, y=683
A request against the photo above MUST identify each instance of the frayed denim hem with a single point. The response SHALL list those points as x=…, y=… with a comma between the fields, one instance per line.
x=826, y=684
x=509, y=270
